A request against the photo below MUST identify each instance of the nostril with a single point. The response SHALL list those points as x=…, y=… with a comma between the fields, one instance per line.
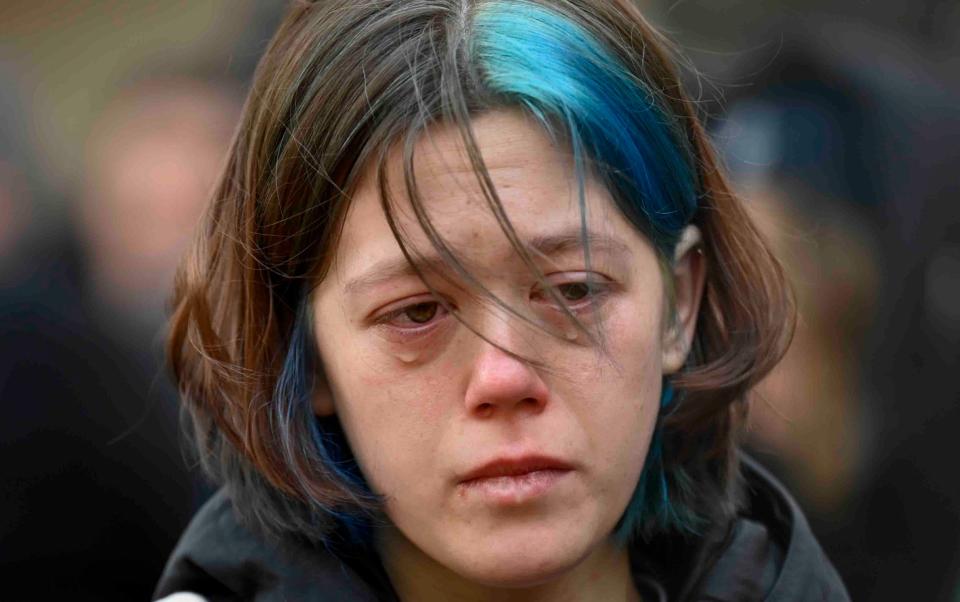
x=484, y=410
x=531, y=403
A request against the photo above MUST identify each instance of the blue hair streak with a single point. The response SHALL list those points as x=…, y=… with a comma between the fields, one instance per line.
x=535, y=57
x=325, y=440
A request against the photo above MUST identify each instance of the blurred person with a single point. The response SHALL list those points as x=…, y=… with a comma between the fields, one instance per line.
x=12, y=216
x=151, y=161
x=95, y=483
x=851, y=160
x=473, y=315
x=809, y=415
x=16, y=163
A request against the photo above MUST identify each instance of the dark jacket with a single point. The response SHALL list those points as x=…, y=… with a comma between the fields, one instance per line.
x=768, y=554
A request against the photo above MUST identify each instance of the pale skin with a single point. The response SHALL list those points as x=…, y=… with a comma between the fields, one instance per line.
x=424, y=401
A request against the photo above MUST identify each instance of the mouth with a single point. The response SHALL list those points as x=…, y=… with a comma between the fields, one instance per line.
x=512, y=481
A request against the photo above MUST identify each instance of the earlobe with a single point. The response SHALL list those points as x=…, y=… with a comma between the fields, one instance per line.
x=689, y=274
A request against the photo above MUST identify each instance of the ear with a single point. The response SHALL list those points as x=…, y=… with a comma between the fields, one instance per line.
x=689, y=274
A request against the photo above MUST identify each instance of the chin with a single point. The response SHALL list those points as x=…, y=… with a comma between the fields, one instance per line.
x=524, y=560
x=518, y=573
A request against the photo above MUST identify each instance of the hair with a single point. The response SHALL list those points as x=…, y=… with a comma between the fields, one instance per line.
x=340, y=84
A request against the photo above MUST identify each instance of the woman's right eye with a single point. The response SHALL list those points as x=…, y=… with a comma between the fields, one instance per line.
x=416, y=316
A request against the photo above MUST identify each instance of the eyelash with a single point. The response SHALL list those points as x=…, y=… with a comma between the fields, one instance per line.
x=598, y=288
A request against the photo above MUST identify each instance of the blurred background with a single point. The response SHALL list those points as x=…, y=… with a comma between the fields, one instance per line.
x=839, y=123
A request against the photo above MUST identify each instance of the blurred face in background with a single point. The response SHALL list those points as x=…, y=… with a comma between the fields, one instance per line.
x=154, y=157
x=496, y=470
x=12, y=209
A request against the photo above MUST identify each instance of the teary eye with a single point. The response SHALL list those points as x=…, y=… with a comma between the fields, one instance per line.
x=413, y=319
x=579, y=291
x=414, y=315
x=421, y=313
x=574, y=291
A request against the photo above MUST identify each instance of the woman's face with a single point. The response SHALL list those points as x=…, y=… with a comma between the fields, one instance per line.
x=504, y=472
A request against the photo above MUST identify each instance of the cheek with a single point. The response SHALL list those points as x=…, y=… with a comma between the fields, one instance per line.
x=623, y=414
x=392, y=423
x=623, y=395
x=630, y=360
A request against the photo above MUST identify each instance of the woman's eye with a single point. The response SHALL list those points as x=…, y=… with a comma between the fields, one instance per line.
x=412, y=316
x=421, y=313
x=574, y=291
x=579, y=291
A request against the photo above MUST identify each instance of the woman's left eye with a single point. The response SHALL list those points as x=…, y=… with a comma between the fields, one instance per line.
x=574, y=291
x=579, y=291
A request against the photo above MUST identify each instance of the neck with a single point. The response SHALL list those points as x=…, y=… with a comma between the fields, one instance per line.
x=603, y=575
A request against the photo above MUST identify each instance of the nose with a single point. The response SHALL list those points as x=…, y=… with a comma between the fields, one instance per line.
x=503, y=384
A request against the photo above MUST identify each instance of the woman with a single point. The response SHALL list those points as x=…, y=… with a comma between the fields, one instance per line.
x=473, y=316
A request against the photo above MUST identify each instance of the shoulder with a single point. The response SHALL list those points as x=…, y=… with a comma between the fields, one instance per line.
x=771, y=553
x=219, y=558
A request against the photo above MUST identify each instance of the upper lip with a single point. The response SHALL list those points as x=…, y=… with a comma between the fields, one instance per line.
x=515, y=466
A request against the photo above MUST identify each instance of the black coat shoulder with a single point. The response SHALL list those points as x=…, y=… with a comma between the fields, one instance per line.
x=770, y=553
x=222, y=560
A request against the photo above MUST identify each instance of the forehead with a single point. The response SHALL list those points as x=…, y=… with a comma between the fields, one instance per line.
x=534, y=179
x=516, y=151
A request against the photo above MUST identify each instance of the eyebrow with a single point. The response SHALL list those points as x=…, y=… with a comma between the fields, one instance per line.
x=544, y=246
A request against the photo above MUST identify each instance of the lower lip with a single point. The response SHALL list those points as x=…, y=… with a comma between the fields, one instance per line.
x=515, y=489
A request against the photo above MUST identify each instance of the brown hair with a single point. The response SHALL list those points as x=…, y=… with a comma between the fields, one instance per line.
x=340, y=83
